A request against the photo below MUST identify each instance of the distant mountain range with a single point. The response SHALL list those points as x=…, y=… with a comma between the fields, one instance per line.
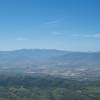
x=53, y=62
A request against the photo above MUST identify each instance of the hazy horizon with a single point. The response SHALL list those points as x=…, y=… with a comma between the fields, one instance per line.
x=19, y=49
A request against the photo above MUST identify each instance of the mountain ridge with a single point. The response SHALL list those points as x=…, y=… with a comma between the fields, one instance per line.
x=53, y=62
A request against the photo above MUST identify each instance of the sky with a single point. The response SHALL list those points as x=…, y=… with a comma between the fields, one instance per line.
x=50, y=24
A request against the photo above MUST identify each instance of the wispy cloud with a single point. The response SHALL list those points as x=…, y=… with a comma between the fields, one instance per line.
x=58, y=33
x=87, y=35
x=53, y=22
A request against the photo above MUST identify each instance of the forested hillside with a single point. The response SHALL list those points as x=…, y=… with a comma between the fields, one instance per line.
x=22, y=87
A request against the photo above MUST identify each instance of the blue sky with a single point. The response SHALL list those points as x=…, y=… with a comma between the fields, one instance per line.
x=52, y=24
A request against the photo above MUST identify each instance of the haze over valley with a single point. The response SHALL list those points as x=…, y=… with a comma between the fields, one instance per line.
x=51, y=62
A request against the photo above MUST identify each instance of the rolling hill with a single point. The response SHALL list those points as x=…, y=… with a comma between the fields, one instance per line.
x=52, y=62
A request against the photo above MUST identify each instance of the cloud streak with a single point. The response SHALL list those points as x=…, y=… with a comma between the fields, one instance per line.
x=58, y=33
x=54, y=22
x=87, y=35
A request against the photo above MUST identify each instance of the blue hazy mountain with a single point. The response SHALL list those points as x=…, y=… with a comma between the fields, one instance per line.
x=37, y=56
x=55, y=62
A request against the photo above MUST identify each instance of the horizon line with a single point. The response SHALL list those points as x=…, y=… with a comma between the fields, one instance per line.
x=65, y=50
